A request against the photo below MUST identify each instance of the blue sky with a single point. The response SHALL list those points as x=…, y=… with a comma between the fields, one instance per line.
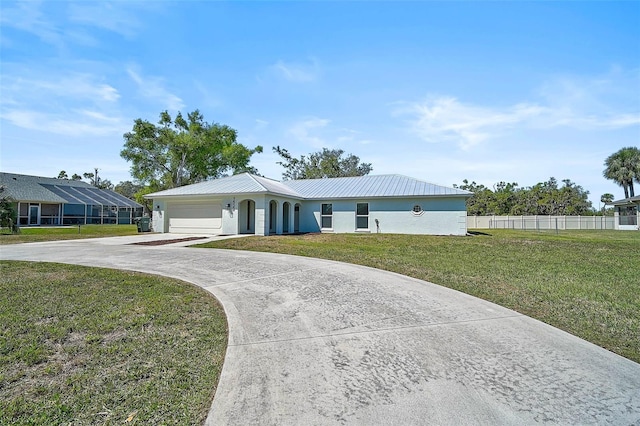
x=441, y=91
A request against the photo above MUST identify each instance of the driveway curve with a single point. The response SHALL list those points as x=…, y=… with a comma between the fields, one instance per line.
x=318, y=342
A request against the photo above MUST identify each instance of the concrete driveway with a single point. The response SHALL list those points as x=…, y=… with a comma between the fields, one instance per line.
x=320, y=342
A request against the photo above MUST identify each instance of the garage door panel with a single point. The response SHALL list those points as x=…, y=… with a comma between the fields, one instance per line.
x=195, y=218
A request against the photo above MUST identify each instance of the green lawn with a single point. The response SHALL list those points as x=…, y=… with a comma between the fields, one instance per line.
x=85, y=345
x=36, y=234
x=584, y=282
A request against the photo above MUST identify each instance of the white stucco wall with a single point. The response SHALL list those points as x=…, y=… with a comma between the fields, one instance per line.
x=158, y=216
x=440, y=216
x=280, y=201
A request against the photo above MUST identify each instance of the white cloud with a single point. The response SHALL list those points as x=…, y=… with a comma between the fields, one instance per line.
x=83, y=124
x=581, y=104
x=306, y=131
x=117, y=17
x=99, y=116
x=70, y=86
x=153, y=88
x=318, y=133
x=297, y=72
x=447, y=119
x=207, y=98
x=68, y=104
x=28, y=16
x=62, y=23
x=261, y=124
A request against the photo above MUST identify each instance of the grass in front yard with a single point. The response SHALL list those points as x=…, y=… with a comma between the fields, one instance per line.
x=32, y=235
x=85, y=345
x=584, y=282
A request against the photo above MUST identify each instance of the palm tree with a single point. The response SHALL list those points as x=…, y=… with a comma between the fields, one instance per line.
x=606, y=199
x=623, y=167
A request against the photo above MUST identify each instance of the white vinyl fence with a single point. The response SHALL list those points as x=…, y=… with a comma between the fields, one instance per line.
x=537, y=223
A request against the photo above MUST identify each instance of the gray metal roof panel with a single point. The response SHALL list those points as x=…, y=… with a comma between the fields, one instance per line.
x=243, y=183
x=370, y=186
x=330, y=188
x=276, y=187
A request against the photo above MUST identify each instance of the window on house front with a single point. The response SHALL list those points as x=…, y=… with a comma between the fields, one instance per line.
x=362, y=216
x=326, y=216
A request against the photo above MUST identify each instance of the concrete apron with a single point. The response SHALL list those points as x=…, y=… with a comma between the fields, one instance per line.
x=321, y=342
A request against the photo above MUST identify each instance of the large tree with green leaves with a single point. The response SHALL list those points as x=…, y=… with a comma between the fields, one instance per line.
x=180, y=151
x=328, y=163
x=128, y=189
x=623, y=167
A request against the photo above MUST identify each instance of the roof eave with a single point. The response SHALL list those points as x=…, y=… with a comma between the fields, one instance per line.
x=368, y=197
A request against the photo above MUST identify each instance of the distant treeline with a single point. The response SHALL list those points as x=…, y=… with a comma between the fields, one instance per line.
x=544, y=198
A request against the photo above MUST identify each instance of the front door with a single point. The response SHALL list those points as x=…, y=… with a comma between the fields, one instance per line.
x=34, y=213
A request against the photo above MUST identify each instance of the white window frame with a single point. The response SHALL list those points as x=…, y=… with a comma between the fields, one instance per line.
x=417, y=213
x=358, y=216
x=323, y=215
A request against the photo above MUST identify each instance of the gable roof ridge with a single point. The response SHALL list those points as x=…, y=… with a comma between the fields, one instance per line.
x=253, y=178
x=256, y=179
x=281, y=187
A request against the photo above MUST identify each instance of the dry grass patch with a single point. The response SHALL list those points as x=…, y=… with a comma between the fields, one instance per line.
x=96, y=346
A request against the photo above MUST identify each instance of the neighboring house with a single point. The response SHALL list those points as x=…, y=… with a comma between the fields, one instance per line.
x=627, y=213
x=49, y=201
x=249, y=204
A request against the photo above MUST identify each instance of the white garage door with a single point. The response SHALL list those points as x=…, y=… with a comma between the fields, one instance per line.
x=195, y=218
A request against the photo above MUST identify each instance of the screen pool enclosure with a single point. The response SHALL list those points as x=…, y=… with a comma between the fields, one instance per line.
x=82, y=206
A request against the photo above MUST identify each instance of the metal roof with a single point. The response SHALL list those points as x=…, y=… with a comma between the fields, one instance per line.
x=370, y=186
x=51, y=190
x=243, y=183
x=330, y=188
x=631, y=200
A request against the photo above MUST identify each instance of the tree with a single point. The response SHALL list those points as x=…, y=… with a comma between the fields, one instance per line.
x=623, y=167
x=606, y=199
x=328, y=163
x=478, y=205
x=63, y=175
x=95, y=180
x=544, y=198
x=8, y=214
x=92, y=177
x=183, y=151
x=128, y=189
